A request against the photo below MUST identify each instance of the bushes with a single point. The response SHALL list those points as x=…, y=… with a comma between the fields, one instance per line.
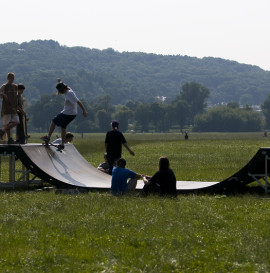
x=227, y=119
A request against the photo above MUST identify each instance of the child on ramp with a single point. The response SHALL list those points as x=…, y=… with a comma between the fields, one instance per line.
x=67, y=114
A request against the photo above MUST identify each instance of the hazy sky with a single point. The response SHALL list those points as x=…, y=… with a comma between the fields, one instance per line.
x=237, y=30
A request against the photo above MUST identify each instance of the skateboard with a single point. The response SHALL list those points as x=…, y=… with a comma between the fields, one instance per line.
x=47, y=144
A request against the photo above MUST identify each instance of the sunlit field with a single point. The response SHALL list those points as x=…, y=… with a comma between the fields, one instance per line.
x=97, y=232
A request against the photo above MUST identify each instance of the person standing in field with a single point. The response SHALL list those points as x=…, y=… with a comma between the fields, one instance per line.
x=163, y=181
x=9, y=114
x=113, y=144
x=68, y=114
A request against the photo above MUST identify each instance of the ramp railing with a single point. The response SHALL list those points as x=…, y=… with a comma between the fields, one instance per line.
x=263, y=176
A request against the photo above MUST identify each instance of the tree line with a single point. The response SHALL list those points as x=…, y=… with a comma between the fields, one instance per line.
x=187, y=110
x=127, y=76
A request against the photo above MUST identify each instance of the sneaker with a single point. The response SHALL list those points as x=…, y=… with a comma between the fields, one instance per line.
x=11, y=141
x=1, y=133
x=45, y=138
x=60, y=147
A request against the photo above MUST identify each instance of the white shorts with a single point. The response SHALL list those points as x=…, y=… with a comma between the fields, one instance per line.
x=10, y=118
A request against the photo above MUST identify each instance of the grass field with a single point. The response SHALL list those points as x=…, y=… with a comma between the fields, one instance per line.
x=97, y=232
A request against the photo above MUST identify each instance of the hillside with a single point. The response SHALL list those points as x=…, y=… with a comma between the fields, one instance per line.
x=128, y=76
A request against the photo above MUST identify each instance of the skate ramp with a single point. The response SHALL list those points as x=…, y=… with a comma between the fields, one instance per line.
x=69, y=169
x=63, y=169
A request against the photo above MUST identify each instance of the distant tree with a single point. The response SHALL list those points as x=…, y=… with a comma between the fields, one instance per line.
x=122, y=116
x=82, y=124
x=142, y=117
x=195, y=95
x=157, y=115
x=227, y=119
x=104, y=120
x=105, y=104
x=266, y=111
x=233, y=105
x=43, y=111
x=180, y=112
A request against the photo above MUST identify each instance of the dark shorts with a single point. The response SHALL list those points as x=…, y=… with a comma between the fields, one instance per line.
x=63, y=120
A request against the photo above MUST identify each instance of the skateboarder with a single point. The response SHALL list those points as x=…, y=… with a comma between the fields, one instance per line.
x=67, y=114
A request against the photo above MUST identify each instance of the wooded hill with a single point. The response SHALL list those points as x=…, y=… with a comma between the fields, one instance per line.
x=128, y=76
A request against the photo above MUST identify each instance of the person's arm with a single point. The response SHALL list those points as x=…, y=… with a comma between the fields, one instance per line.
x=2, y=93
x=82, y=107
x=21, y=111
x=138, y=176
x=127, y=147
x=146, y=179
x=102, y=169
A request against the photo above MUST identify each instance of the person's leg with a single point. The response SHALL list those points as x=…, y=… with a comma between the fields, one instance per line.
x=131, y=185
x=63, y=135
x=20, y=131
x=111, y=161
x=13, y=122
x=47, y=138
x=150, y=189
x=51, y=129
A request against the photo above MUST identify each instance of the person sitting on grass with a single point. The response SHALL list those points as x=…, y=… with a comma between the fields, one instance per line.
x=104, y=166
x=120, y=175
x=162, y=182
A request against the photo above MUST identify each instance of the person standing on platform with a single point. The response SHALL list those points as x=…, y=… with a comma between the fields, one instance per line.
x=9, y=114
x=21, y=134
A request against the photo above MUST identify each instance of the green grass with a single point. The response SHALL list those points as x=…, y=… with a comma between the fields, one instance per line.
x=97, y=232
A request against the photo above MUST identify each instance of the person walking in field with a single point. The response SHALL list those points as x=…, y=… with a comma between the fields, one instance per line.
x=68, y=114
x=113, y=144
x=9, y=114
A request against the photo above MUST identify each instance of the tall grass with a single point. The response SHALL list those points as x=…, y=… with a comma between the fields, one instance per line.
x=97, y=232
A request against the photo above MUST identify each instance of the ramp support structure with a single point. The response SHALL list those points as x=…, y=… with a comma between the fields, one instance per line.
x=264, y=176
x=11, y=170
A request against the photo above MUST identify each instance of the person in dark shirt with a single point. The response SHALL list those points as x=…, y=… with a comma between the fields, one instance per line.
x=162, y=182
x=104, y=166
x=113, y=144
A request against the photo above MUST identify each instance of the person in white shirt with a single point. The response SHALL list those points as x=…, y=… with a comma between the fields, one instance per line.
x=67, y=114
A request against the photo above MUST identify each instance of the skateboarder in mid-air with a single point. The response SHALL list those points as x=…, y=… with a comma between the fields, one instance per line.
x=67, y=114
